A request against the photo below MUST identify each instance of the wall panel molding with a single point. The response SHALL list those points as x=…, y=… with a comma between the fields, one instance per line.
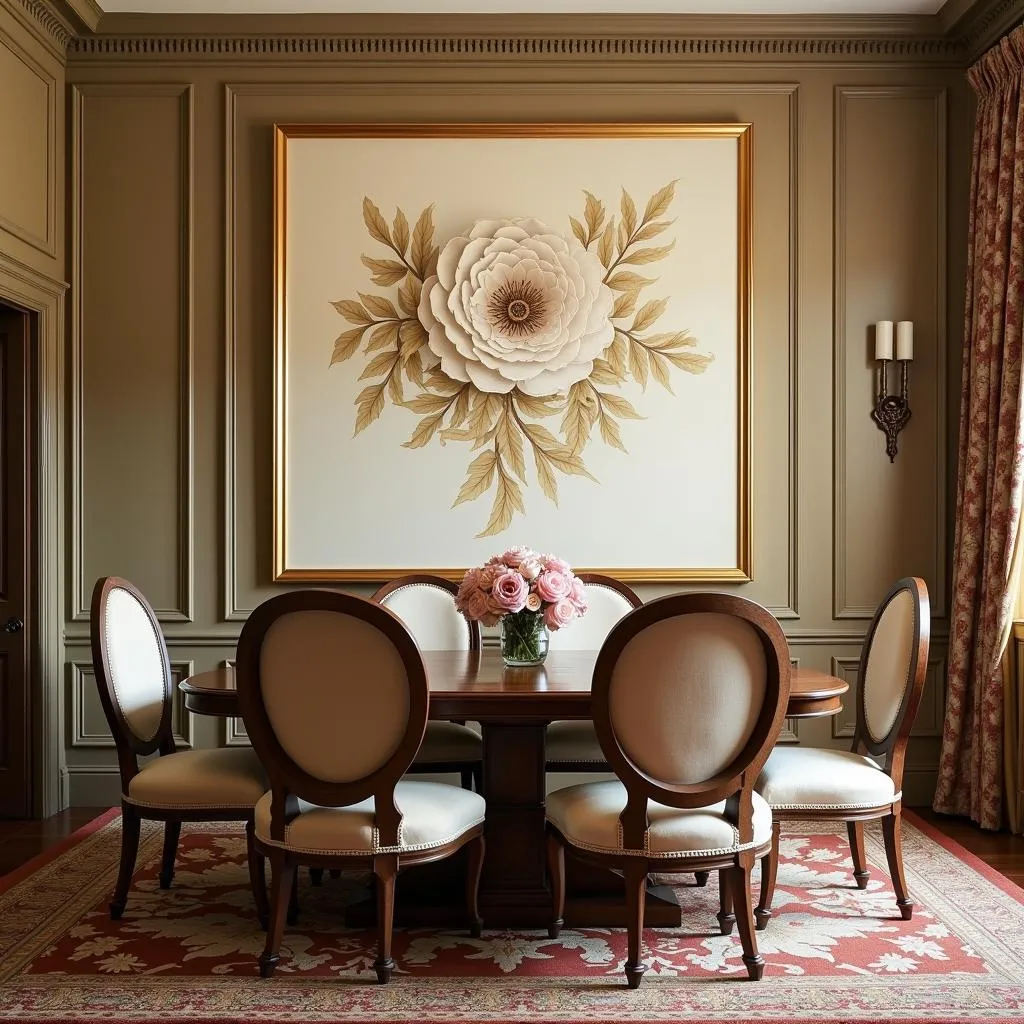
x=843, y=606
x=182, y=611
x=82, y=681
x=45, y=243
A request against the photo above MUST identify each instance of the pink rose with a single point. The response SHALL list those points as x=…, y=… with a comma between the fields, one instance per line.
x=533, y=603
x=494, y=612
x=578, y=595
x=476, y=606
x=530, y=568
x=553, y=586
x=559, y=614
x=489, y=573
x=514, y=557
x=510, y=591
x=552, y=563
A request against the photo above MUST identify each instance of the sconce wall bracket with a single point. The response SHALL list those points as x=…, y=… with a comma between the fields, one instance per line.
x=891, y=412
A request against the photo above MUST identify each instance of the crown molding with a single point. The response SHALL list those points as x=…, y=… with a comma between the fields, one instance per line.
x=984, y=22
x=84, y=14
x=513, y=38
x=45, y=21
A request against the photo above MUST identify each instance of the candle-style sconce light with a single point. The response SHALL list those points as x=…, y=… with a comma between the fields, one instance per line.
x=892, y=412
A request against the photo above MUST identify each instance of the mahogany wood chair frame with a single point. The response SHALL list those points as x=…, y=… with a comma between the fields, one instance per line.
x=734, y=784
x=595, y=579
x=469, y=772
x=290, y=782
x=892, y=747
x=130, y=748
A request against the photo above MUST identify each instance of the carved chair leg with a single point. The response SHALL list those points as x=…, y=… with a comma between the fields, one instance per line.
x=726, y=917
x=701, y=878
x=257, y=875
x=855, y=830
x=741, y=898
x=473, y=873
x=281, y=886
x=293, y=901
x=386, y=869
x=316, y=876
x=556, y=871
x=131, y=825
x=172, y=833
x=894, y=855
x=636, y=895
x=769, y=872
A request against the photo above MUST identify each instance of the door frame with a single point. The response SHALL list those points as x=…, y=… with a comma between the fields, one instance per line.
x=36, y=293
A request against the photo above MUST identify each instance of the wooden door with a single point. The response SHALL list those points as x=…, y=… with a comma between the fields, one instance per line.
x=15, y=619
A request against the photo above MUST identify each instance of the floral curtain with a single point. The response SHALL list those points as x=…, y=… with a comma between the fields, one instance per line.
x=989, y=473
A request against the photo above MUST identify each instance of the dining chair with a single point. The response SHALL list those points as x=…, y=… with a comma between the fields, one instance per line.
x=573, y=746
x=133, y=675
x=426, y=604
x=333, y=693
x=689, y=694
x=839, y=785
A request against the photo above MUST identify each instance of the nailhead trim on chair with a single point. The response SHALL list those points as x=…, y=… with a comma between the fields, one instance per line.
x=737, y=847
x=836, y=807
x=167, y=806
x=376, y=847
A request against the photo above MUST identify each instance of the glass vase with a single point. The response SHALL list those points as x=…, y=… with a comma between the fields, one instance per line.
x=524, y=638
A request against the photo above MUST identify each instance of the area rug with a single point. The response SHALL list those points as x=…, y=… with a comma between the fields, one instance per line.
x=834, y=953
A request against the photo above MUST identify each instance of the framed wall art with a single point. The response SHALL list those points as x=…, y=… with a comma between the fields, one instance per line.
x=498, y=334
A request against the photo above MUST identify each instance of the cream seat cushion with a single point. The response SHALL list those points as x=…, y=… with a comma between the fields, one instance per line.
x=587, y=815
x=573, y=741
x=796, y=778
x=447, y=741
x=433, y=814
x=230, y=777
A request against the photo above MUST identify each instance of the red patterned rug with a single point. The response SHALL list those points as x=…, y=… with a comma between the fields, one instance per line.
x=834, y=953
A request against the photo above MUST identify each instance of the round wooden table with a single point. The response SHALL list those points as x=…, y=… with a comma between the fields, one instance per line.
x=514, y=707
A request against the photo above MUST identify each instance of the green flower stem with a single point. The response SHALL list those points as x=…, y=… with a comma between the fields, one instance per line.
x=522, y=634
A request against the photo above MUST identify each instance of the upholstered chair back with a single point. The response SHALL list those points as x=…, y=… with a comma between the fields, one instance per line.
x=131, y=665
x=690, y=692
x=608, y=601
x=894, y=662
x=426, y=604
x=333, y=693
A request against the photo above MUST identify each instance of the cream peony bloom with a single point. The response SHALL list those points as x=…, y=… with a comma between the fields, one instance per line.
x=514, y=303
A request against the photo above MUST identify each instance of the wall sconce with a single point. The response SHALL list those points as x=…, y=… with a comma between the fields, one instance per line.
x=892, y=412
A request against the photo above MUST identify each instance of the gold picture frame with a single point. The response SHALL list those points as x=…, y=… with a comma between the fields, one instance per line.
x=333, y=168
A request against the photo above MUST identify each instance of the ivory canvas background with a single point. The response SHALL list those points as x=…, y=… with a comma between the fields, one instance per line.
x=367, y=503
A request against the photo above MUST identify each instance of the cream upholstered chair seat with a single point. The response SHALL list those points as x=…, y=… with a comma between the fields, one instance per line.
x=198, y=780
x=796, y=778
x=433, y=815
x=447, y=742
x=587, y=816
x=572, y=742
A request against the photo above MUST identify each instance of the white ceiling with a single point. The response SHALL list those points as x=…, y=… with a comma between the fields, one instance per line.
x=524, y=6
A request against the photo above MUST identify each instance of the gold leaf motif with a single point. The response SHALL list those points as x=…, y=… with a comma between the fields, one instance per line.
x=453, y=434
x=424, y=432
x=414, y=369
x=422, y=239
x=623, y=239
x=438, y=380
x=622, y=407
x=594, y=215
x=652, y=255
x=507, y=499
x=606, y=246
x=616, y=355
x=346, y=344
x=383, y=336
x=625, y=304
x=652, y=230
x=384, y=272
x=460, y=410
x=533, y=406
x=628, y=281
x=352, y=311
x=413, y=336
x=603, y=373
x=660, y=201
x=401, y=232
x=580, y=411
x=369, y=407
x=545, y=477
x=383, y=363
x=478, y=478
x=671, y=340
x=395, y=388
x=409, y=295
x=375, y=222
x=691, y=362
x=628, y=214
x=485, y=408
x=510, y=442
x=559, y=454
x=579, y=231
x=427, y=402
x=659, y=367
x=379, y=306
x=649, y=313
x=610, y=432
x=638, y=364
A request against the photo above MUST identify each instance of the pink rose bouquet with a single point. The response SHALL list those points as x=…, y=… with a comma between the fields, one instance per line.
x=527, y=593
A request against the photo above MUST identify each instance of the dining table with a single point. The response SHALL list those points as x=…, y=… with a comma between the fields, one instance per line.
x=514, y=707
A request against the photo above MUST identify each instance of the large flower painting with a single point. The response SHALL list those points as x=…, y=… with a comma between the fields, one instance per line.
x=512, y=334
x=509, y=324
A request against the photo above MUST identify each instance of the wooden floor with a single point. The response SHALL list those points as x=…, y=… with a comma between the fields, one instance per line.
x=20, y=841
